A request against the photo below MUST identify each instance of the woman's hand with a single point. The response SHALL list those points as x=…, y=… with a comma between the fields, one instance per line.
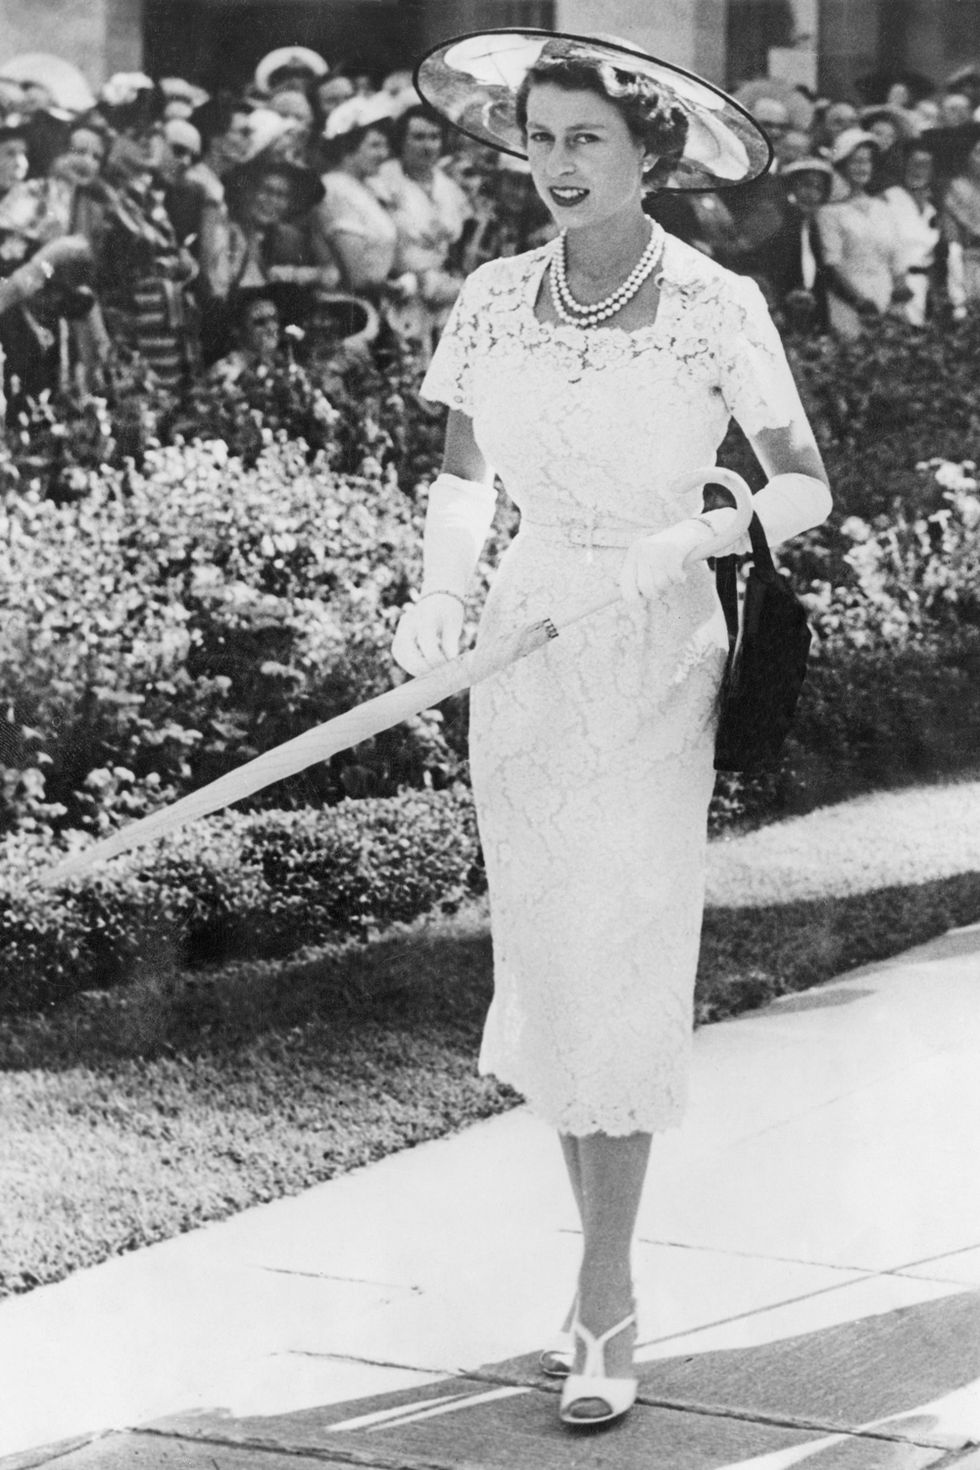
x=428, y=632
x=655, y=563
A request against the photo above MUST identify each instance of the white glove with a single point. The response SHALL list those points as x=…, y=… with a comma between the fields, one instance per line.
x=457, y=521
x=654, y=563
x=428, y=632
x=791, y=503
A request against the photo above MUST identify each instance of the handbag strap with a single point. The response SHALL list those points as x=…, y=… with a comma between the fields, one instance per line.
x=726, y=576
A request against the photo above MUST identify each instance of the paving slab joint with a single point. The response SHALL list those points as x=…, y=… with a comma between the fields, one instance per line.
x=50, y=1454
x=350, y=1458
x=967, y=1458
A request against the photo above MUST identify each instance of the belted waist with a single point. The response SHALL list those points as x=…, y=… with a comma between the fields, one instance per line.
x=585, y=533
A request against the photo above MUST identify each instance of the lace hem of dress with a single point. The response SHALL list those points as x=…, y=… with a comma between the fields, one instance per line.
x=578, y=1121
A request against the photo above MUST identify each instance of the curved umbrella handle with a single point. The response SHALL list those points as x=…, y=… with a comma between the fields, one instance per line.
x=733, y=482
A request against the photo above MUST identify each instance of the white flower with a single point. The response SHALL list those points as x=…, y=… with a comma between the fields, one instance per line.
x=954, y=476
x=855, y=529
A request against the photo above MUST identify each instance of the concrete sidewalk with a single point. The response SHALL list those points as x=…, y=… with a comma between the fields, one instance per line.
x=808, y=1270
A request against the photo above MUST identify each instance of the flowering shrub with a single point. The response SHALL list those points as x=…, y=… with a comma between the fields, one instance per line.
x=885, y=401
x=253, y=885
x=170, y=624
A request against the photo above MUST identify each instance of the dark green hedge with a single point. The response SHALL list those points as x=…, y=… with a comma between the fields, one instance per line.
x=263, y=884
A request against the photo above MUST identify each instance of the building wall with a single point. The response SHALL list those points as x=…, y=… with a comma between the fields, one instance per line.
x=690, y=33
x=99, y=36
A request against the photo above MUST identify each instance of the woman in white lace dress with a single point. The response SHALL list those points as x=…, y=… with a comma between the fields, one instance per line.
x=592, y=761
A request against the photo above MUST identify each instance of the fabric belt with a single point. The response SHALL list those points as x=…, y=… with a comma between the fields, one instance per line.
x=584, y=533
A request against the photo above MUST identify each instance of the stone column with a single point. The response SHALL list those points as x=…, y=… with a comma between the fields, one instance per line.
x=99, y=36
x=849, y=44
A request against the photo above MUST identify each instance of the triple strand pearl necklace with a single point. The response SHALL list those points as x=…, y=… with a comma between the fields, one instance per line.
x=573, y=312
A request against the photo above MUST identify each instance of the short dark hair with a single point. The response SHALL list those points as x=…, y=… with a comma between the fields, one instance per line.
x=336, y=149
x=399, y=130
x=656, y=122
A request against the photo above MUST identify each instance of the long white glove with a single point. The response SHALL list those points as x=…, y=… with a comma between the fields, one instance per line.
x=791, y=503
x=786, y=505
x=457, y=522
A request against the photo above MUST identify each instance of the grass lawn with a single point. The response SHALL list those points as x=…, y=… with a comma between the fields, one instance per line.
x=132, y=1115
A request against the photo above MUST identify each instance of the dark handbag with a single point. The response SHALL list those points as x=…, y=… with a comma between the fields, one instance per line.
x=767, y=658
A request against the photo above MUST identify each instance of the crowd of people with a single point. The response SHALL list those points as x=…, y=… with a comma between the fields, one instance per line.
x=192, y=230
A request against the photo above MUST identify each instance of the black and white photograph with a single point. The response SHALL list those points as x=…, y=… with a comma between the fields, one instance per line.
x=489, y=734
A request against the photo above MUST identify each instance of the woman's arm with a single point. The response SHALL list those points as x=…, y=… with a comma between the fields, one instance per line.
x=462, y=455
x=457, y=521
x=796, y=496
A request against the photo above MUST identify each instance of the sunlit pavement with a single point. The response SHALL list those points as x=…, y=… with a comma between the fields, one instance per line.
x=808, y=1270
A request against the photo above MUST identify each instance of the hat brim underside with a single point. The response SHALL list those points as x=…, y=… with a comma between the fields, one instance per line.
x=473, y=81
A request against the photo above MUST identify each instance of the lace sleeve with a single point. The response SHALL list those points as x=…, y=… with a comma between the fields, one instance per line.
x=449, y=378
x=756, y=382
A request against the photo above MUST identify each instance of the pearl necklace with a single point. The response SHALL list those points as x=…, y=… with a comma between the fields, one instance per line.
x=573, y=312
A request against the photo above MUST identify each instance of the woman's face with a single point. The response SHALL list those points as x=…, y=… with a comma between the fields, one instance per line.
x=369, y=154
x=295, y=108
x=260, y=329
x=139, y=150
x=918, y=169
x=332, y=92
x=859, y=168
x=422, y=146
x=13, y=163
x=885, y=131
x=85, y=154
x=585, y=162
x=270, y=199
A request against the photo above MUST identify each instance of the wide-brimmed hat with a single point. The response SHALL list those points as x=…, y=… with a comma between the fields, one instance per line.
x=359, y=113
x=289, y=63
x=67, y=86
x=179, y=89
x=474, y=80
x=950, y=146
x=810, y=164
x=884, y=112
x=130, y=99
x=849, y=141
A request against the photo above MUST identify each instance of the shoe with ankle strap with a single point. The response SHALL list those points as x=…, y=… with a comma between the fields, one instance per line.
x=591, y=1397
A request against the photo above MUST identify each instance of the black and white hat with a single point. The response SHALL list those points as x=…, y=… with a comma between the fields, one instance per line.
x=474, y=80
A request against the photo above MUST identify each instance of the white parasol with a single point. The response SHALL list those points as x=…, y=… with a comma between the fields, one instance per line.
x=377, y=714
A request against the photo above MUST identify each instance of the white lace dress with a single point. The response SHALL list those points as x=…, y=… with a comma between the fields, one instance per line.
x=592, y=760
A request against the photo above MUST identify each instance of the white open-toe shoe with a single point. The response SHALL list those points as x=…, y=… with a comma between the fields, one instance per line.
x=591, y=1397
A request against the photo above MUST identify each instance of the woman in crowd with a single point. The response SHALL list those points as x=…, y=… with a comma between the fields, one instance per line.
x=961, y=222
x=794, y=277
x=265, y=236
x=142, y=271
x=917, y=228
x=506, y=218
x=890, y=127
x=596, y=374
x=861, y=257
x=351, y=220
x=429, y=210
